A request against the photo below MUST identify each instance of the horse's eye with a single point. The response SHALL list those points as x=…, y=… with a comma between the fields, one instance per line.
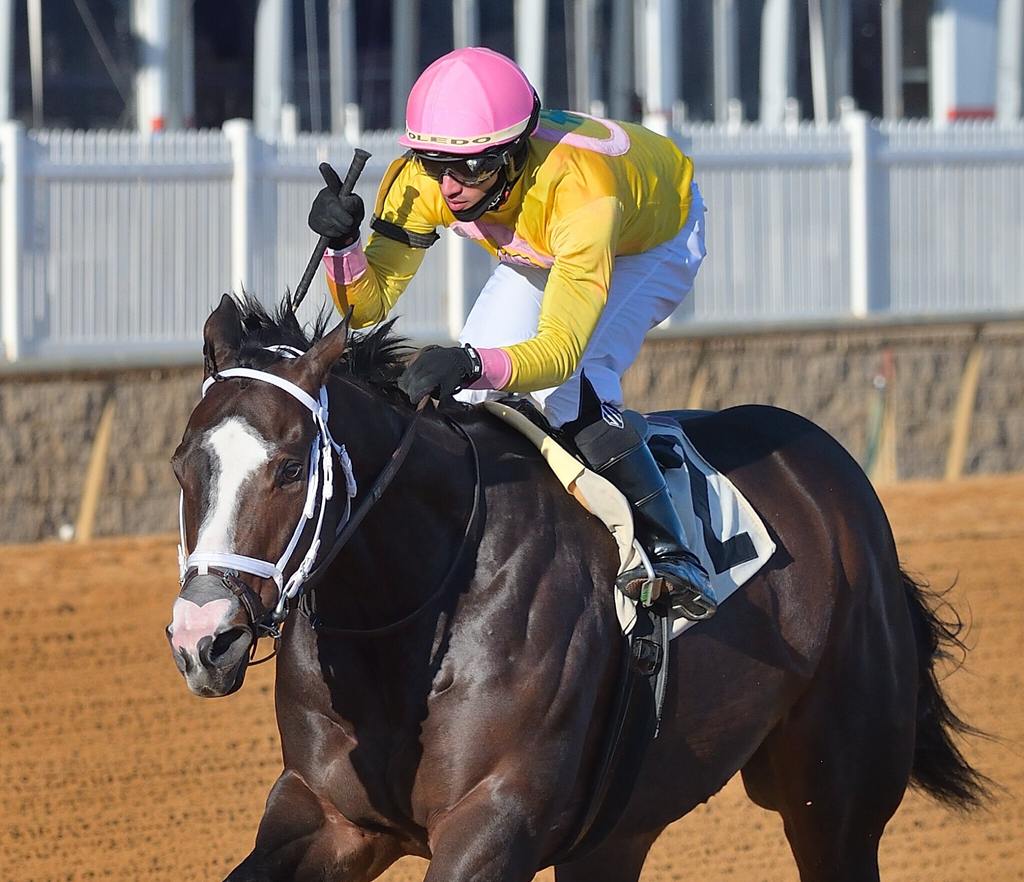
x=291, y=471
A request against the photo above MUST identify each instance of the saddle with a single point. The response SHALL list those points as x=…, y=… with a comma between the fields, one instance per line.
x=722, y=528
x=648, y=640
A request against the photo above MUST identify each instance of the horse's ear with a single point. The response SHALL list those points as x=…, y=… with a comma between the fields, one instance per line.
x=222, y=336
x=315, y=364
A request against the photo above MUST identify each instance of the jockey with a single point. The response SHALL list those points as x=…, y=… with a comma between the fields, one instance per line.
x=598, y=230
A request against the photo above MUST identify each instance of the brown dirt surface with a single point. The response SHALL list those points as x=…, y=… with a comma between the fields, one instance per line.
x=109, y=769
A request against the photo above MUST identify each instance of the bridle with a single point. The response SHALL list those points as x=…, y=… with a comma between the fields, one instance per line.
x=319, y=491
x=266, y=622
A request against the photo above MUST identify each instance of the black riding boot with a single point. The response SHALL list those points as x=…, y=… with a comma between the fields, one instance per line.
x=619, y=453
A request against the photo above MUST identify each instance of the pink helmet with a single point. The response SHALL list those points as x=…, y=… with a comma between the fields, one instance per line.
x=469, y=101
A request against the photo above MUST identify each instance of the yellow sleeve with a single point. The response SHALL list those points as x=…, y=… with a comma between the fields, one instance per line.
x=390, y=266
x=405, y=219
x=583, y=244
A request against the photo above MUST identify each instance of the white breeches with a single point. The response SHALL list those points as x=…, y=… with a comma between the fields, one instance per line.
x=645, y=289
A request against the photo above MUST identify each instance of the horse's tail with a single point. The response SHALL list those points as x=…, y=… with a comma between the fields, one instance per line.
x=939, y=767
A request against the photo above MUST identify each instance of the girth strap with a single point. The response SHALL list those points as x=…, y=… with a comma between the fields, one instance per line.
x=633, y=723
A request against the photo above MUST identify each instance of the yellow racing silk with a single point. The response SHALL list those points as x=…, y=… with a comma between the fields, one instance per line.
x=592, y=189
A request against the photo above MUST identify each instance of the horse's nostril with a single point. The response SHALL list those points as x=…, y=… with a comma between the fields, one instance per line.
x=182, y=660
x=224, y=641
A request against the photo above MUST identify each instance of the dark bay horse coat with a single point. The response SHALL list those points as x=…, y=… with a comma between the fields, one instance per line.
x=471, y=735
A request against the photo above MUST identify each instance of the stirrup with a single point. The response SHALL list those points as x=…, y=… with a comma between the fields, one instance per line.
x=689, y=587
x=690, y=603
x=680, y=590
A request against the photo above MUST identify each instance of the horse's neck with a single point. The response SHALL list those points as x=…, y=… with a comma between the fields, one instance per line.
x=404, y=548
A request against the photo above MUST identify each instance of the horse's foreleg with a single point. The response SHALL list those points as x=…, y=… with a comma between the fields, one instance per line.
x=303, y=837
x=614, y=860
x=485, y=838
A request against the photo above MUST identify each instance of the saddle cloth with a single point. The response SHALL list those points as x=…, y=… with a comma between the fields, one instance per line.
x=721, y=527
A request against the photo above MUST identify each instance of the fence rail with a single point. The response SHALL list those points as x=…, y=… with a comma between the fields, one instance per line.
x=115, y=245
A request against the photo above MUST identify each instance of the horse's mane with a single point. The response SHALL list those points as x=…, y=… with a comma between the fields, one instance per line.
x=376, y=357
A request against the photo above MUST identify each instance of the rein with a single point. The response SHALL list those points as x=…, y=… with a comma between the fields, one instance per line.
x=307, y=600
x=307, y=603
x=386, y=476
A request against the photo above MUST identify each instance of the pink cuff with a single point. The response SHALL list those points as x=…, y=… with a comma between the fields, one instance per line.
x=346, y=264
x=497, y=369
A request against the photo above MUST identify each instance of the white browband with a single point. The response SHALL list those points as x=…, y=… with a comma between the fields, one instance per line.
x=321, y=459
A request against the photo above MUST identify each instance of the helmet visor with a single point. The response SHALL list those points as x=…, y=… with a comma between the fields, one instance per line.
x=470, y=171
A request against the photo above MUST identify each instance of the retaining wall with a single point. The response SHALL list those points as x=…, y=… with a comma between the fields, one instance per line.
x=48, y=421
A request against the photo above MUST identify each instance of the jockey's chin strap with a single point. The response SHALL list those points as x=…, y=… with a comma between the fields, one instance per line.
x=319, y=492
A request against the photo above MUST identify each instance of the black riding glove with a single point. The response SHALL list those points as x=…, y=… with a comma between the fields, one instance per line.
x=336, y=217
x=440, y=371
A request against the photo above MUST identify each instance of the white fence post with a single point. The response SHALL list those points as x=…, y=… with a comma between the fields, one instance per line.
x=659, y=36
x=151, y=28
x=405, y=50
x=353, y=131
x=530, y=21
x=7, y=18
x=1010, y=62
x=466, y=23
x=777, y=61
x=243, y=156
x=12, y=225
x=869, y=233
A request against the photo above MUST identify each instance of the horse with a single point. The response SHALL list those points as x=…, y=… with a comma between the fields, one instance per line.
x=448, y=694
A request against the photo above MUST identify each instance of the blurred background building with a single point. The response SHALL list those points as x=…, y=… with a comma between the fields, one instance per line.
x=322, y=65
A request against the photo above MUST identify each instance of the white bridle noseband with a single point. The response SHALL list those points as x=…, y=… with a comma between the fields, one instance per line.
x=321, y=461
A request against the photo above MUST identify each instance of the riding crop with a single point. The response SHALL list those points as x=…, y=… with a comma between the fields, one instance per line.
x=331, y=179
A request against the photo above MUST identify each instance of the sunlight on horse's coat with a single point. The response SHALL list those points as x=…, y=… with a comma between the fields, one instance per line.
x=236, y=451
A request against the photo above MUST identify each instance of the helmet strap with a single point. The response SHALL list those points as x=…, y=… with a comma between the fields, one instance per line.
x=494, y=198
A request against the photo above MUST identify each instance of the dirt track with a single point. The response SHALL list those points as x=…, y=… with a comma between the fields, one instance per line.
x=110, y=770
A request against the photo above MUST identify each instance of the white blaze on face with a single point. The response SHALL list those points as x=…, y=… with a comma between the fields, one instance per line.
x=236, y=451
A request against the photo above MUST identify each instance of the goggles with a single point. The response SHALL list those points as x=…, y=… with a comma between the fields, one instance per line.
x=470, y=171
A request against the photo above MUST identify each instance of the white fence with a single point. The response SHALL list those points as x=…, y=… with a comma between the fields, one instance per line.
x=114, y=246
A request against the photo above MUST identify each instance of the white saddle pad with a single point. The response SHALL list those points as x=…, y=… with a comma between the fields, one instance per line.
x=722, y=528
